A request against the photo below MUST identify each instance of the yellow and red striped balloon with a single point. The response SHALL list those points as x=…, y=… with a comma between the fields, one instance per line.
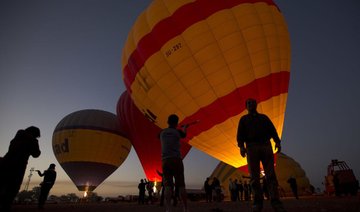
x=201, y=60
x=89, y=145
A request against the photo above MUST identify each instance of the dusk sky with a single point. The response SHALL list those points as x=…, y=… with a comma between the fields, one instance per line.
x=58, y=57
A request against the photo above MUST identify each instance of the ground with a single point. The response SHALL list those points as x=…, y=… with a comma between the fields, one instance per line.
x=304, y=204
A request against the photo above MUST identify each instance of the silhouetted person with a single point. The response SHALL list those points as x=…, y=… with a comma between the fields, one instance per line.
x=47, y=183
x=253, y=136
x=172, y=164
x=336, y=182
x=217, y=189
x=265, y=188
x=162, y=190
x=293, y=186
x=149, y=188
x=232, y=190
x=240, y=187
x=176, y=195
x=162, y=197
x=208, y=190
x=142, y=189
x=246, y=192
x=14, y=164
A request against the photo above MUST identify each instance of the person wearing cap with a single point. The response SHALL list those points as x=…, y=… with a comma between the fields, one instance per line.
x=47, y=183
x=172, y=163
x=253, y=136
x=13, y=165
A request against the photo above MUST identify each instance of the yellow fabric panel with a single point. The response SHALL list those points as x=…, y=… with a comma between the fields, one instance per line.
x=254, y=37
x=273, y=42
x=182, y=100
x=207, y=53
x=199, y=87
x=92, y=146
x=185, y=67
x=222, y=24
x=236, y=52
x=156, y=12
x=155, y=94
x=197, y=36
x=246, y=20
x=175, y=87
x=242, y=71
x=157, y=62
x=265, y=13
x=193, y=78
x=213, y=65
x=206, y=99
x=219, y=77
x=225, y=87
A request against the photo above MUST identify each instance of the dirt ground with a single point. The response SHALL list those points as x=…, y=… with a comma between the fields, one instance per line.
x=304, y=204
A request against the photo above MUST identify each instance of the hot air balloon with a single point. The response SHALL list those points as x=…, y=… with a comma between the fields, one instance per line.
x=89, y=146
x=201, y=60
x=144, y=136
x=285, y=167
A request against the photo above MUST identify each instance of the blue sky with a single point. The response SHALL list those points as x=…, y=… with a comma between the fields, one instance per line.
x=57, y=57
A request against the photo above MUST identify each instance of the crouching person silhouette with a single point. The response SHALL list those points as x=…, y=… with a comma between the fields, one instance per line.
x=13, y=165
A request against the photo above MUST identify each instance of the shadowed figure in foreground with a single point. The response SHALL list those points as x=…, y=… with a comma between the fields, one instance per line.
x=172, y=163
x=14, y=163
x=253, y=136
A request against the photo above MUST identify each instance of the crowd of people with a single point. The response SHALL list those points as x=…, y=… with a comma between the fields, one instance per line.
x=253, y=139
x=239, y=191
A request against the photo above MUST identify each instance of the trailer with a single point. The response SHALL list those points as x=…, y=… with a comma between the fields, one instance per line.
x=340, y=179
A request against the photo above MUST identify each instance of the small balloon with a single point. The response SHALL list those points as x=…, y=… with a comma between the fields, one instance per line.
x=90, y=146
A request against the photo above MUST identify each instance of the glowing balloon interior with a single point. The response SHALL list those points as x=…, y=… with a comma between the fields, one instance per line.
x=201, y=60
x=89, y=146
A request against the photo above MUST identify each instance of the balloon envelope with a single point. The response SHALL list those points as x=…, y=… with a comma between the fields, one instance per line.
x=201, y=60
x=144, y=136
x=89, y=146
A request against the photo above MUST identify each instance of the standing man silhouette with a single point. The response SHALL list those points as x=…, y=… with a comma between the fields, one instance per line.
x=13, y=165
x=47, y=183
x=293, y=186
x=253, y=136
x=208, y=190
x=172, y=163
x=142, y=190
